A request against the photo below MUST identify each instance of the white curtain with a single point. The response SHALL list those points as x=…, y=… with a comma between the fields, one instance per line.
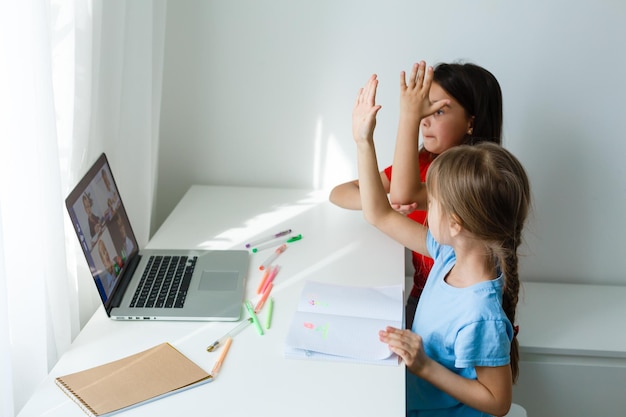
x=77, y=78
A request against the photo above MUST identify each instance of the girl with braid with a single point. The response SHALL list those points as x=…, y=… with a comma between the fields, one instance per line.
x=461, y=353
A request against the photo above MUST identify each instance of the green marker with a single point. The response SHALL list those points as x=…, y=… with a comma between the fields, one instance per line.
x=274, y=244
x=255, y=319
x=268, y=318
x=294, y=239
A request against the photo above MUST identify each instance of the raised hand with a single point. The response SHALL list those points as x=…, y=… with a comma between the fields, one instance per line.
x=364, y=112
x=414, y=93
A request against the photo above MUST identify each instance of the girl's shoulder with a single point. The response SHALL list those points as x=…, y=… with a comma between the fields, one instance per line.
x=438, y=251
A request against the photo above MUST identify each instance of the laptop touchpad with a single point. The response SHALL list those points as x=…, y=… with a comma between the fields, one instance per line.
x=219, y=280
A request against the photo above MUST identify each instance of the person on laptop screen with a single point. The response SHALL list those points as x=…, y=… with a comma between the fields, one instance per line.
x=108, y=274
x=107, y=241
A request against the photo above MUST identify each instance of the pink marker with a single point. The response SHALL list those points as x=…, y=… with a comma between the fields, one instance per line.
x=273, y=256
x=261, y=302
x=271, y=277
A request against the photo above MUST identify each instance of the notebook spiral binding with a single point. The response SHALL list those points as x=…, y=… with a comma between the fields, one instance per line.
x=72, y=395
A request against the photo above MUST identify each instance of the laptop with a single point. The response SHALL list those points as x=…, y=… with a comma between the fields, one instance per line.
x=186, y=285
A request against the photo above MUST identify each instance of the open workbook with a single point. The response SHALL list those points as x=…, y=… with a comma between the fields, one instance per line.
x=338, y=322
x=133, y=380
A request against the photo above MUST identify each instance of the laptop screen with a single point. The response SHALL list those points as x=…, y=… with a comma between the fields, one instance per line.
x=102, y=226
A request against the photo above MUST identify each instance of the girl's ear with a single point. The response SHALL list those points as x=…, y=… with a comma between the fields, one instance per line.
x=470, y=125
x=455, y=225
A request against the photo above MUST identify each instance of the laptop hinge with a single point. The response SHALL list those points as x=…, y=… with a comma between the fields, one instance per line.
x=118, y=294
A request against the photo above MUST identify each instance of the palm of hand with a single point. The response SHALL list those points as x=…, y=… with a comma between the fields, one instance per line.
x=363, y=122
x=364, y=112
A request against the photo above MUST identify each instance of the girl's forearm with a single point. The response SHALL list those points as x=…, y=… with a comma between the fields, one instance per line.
x=492, y=396
x=346, y=195
x=374, y=200
x=406, y=181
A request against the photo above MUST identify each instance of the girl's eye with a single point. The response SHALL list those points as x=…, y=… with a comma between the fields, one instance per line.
x=439, y=112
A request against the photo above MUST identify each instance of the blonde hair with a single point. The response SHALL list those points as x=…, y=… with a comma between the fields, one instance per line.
x=486, y=189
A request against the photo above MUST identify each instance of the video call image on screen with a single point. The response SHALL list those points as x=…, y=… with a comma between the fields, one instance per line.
x=103, y=231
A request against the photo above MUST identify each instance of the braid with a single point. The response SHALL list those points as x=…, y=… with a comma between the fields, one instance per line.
x=510, y=295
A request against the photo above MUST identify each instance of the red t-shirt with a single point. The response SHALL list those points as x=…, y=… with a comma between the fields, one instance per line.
x=422, y=264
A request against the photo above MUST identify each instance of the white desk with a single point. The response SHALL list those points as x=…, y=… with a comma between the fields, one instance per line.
x=337, y=246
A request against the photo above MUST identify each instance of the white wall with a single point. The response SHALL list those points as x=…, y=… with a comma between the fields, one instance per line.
x=260, y=93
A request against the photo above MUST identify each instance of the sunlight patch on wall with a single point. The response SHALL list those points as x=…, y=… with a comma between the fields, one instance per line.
x=317, y=154
x=331, y=166
x=339, y=167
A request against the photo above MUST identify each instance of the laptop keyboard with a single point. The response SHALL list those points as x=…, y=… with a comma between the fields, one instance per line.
x=165, y=282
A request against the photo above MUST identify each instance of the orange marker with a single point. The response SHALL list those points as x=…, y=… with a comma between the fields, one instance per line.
x=259, y=290
x=218, y=363
x=271, y=277
x=259, y=305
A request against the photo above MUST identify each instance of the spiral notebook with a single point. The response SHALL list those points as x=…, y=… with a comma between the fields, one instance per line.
x=131, y=381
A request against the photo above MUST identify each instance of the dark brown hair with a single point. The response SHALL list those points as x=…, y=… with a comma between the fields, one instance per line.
x=479, y=92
